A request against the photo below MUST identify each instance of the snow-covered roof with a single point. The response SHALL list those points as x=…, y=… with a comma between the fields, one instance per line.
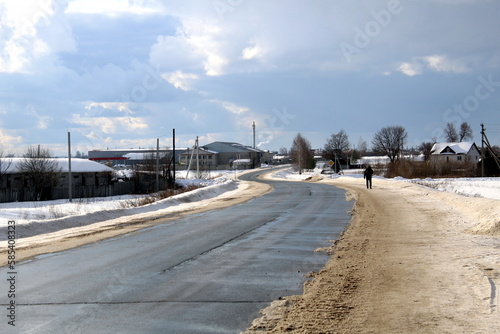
x=136, y=156
x=452, y=148
x=241, y=161
x=201, y=150
x=77, y=165
x=229, y=147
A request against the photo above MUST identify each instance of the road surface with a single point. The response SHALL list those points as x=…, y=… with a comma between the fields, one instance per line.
x=206, y=273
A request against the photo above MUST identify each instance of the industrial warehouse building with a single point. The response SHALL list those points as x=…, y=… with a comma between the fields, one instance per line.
x=213, y=156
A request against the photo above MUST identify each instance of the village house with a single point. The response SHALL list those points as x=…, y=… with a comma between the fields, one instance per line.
x=455, y=153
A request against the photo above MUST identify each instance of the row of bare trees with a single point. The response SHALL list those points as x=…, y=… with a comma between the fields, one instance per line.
x=452, y=135
x=388, y=141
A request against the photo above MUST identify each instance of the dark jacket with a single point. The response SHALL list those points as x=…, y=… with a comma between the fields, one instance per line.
x=368, y=173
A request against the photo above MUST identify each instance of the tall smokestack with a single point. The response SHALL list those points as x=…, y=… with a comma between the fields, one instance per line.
x=253, y=126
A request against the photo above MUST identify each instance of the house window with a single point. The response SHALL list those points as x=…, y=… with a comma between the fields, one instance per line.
x=459, y=158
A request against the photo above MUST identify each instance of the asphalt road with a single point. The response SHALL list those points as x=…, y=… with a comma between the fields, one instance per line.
x=206, y=273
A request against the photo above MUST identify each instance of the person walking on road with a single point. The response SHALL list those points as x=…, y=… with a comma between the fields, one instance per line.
x=368, y=177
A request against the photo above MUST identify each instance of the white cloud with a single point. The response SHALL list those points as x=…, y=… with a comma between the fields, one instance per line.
x=32, y=30
x=253, y=52
x=440, y=63
x=259, y=55
x=92, y=135
x=42, y=122
x=197, y=46
x=206, y=43
x=231, y=107
x=111, y=125
x=411, y=69
x=114, y=7
x=435, y=63
x=97, y=107
x=180, y=79
x=8, y=140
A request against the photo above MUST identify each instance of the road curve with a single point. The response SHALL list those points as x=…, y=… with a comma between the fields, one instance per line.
x=204, y=273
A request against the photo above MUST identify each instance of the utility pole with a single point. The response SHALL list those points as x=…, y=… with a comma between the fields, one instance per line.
x=157, y=167
x=482, y=149
x=173, y=158
x=197, y=158
x=70, y=190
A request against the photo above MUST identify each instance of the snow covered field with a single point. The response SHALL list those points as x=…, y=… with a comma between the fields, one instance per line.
x=488, y=187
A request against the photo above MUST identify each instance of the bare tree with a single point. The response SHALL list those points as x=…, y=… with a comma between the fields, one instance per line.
x=362, y=146
x=426, y=148
x=4, y=164
x=41, y=169
x=337, y=145
x=390, y=141
x=450, y=133
x=300, y=153
x=148, y=161
x=81, y=155
x=465, y=132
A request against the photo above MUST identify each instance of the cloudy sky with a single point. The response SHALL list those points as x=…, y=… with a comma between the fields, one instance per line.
x=119, y=74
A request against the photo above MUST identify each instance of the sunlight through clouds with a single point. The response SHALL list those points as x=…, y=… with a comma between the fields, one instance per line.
x=111, y=125
x=436, y=63
x=180, y=79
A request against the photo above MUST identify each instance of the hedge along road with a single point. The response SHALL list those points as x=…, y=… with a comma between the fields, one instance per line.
x=204, y=273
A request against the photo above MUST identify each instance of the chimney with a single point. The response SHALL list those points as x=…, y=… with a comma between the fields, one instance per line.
x=253, y=126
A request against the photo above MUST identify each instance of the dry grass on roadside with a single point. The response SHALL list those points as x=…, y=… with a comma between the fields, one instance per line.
x=151, y=198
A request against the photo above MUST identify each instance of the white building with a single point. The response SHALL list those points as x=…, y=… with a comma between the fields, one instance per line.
x=465, y=152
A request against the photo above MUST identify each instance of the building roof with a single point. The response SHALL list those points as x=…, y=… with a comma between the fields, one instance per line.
x=77, y=165
x=119, y=154
x=202, y=150
x=229, y=147
x=452, y=148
